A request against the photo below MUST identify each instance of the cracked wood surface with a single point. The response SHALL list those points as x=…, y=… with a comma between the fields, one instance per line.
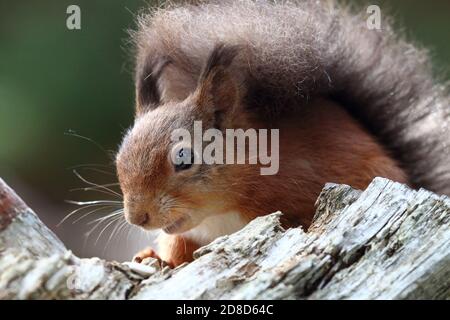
x=387, y=242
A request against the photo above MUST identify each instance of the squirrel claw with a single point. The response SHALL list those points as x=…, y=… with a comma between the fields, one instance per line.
x=150, y=253
x=146, y=253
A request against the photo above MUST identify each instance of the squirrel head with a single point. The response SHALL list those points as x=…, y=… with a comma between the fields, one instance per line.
x=177, y=195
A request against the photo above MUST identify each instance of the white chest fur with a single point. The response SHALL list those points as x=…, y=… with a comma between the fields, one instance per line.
x=216, y=226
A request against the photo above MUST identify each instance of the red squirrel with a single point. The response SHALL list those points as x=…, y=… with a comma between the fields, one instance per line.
x=350, y=104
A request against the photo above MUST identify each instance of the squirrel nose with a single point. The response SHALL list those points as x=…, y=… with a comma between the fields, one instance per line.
x=137, y=218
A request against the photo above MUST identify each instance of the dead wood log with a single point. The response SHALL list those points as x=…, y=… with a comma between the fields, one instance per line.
x=387, y=242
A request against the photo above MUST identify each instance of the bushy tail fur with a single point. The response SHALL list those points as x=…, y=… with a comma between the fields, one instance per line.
x=294, y=51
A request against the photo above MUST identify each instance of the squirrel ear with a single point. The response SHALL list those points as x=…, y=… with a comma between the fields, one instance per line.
x=148, y=96
x=217, y=88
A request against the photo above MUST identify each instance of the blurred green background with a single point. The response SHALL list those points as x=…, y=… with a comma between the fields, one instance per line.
x=54, y=81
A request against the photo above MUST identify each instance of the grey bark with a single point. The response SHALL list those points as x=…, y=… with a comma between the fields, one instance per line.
x=387, y=242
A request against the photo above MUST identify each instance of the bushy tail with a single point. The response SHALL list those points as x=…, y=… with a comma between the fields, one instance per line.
x=298, y=50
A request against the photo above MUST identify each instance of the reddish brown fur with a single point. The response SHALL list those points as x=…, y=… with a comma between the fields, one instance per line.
x=302, y=49
x=320, y=142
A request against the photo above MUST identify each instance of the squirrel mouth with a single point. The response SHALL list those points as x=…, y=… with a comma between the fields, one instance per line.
x=172, y=228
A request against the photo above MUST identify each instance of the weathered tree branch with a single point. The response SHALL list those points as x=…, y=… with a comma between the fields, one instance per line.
x=387, y=242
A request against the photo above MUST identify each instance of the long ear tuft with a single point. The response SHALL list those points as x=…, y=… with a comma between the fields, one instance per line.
x=217, y=88
x=148, y=96
x=221, y=57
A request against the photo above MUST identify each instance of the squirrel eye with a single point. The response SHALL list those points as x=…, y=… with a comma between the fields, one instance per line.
x=184, y=158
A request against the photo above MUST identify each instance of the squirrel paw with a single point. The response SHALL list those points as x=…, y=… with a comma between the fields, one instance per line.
x=150, y=253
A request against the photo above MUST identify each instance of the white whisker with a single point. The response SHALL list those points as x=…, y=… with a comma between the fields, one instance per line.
x=113, y=214
x=96, y=185
x=95, y=188
x=118, y=224
x=78, y=210
x=96, y=202
x=89, y=213
x=106, y=227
